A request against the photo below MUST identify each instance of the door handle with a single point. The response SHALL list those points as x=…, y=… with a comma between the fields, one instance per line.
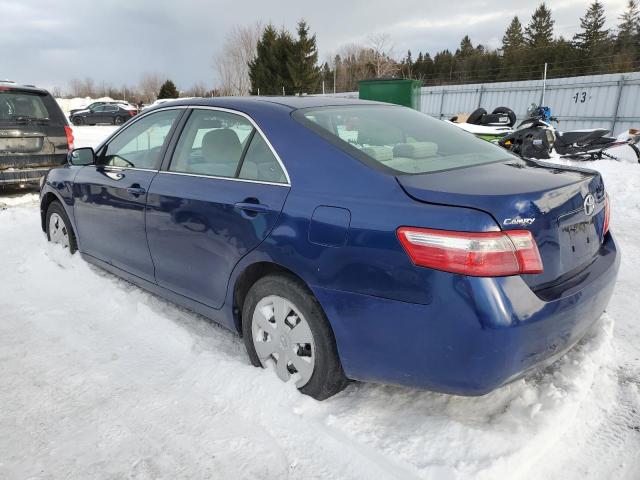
x=252, y=207
x=136, y=191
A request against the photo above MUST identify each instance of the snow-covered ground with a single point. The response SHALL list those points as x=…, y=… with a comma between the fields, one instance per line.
x=100, y=379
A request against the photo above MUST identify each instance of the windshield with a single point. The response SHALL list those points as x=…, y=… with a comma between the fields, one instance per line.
x=400, y=139
x=21, y=106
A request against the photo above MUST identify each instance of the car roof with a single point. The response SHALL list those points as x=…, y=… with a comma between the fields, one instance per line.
x=8, y=85
x=290, y=102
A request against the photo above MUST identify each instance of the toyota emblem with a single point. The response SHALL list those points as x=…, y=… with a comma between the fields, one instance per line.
x=589, y=205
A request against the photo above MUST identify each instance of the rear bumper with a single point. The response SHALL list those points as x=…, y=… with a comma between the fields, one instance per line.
x=27, y=169
x=19, y=177
x=476, y=335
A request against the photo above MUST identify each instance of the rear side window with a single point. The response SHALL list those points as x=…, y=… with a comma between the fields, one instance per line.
x=212, y=143
x=260, y=163
x=16, y=105
x=399, y=140
x=223, y=144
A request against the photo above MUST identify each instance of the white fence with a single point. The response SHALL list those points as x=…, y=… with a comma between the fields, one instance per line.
x=597, y=101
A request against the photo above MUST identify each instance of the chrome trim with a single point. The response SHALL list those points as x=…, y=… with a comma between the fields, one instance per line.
x=233, y=179
x=259, y=130
x=204, y=107
x=116, y=168
x=133, y=121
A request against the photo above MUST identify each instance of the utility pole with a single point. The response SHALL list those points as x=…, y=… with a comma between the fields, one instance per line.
x=544, y=84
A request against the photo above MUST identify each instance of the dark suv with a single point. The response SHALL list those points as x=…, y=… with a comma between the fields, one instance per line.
x=34, y=134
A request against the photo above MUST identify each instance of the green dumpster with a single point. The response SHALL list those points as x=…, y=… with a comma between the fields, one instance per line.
x=399, y=91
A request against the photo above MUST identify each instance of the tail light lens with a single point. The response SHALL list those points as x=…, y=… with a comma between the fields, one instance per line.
x=69, y=133
x=607, y=215
x=479, y=254
x=132, y=112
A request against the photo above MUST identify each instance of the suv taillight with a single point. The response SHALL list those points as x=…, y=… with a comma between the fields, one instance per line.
x=607, y=215
x=479, y=254
x=69, y=133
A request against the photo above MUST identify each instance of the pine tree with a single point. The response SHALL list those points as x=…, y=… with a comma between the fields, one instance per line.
x=168, y=90
x=466, y=48
x=629, y=27
x=268, y=71
x=593, y=40
x=302, y=61
x=539, y=32
x=627, y=44
x=513, y=38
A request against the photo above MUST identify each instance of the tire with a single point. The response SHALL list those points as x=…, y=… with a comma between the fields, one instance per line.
x=510, y=113
x=327, y=377
x=66, y=237
x=118, y=121
x=476, y=116
x=636, y=151
x=77, y=121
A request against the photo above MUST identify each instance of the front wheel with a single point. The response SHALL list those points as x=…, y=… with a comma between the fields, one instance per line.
x=285, y=327
x=59, y=227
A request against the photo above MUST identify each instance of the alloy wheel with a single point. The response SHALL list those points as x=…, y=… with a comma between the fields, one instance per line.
x=281, y=333
x=58, y=230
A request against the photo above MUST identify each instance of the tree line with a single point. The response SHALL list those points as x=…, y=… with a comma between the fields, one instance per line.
x=265, y=60
x=286, y=64
x=594, y=49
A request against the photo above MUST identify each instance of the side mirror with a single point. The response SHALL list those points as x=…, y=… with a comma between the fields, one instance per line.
x=82, y=156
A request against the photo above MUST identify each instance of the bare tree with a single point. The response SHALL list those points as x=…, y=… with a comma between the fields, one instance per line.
x=149, y=86
x=382, y=52
x=82, y=88
x=232, y=62
x=199, y=89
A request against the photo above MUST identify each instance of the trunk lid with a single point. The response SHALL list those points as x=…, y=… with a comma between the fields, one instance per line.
x=546, y=199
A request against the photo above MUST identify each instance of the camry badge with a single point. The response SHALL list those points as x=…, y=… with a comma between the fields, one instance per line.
x=523, y=222
x=589, y=205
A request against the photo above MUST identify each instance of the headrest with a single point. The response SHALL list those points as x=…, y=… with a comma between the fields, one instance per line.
x=415, y=150
x=381, y=154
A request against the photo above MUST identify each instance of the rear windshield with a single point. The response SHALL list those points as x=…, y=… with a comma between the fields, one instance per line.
x=399, y=139
x=20, y=105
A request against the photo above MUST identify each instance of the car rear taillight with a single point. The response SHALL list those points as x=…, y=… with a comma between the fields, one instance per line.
x=607, y=215
x=132, y=112
x=69, y=133
x=479, y=254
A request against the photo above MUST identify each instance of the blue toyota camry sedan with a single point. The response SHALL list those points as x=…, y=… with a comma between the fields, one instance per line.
x=345, y=239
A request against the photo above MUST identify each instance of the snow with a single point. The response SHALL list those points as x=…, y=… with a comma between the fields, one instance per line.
x=103, y=380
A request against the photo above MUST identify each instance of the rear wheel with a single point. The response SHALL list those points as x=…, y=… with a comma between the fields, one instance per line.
x=284, y=327
x=59, y=227
x=118, y=121
x=77, y=121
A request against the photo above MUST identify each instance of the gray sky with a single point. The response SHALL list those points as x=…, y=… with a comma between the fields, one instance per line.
x=49, y=43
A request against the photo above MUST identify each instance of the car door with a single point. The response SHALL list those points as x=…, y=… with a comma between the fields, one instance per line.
x=95, y=115
x=218, y=198
x=110, y=112
x=110, y=197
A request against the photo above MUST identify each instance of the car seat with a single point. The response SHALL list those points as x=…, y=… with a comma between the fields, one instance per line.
x=221, y=151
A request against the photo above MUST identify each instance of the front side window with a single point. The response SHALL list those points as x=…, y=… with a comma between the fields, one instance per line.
x=223, y=144
x=399, y=139
x=140, y=145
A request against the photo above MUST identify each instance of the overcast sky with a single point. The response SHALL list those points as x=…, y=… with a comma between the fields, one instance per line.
x=49, y=43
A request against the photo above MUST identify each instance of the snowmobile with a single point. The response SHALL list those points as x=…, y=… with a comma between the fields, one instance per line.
x=488, y=126
x=537, y=137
